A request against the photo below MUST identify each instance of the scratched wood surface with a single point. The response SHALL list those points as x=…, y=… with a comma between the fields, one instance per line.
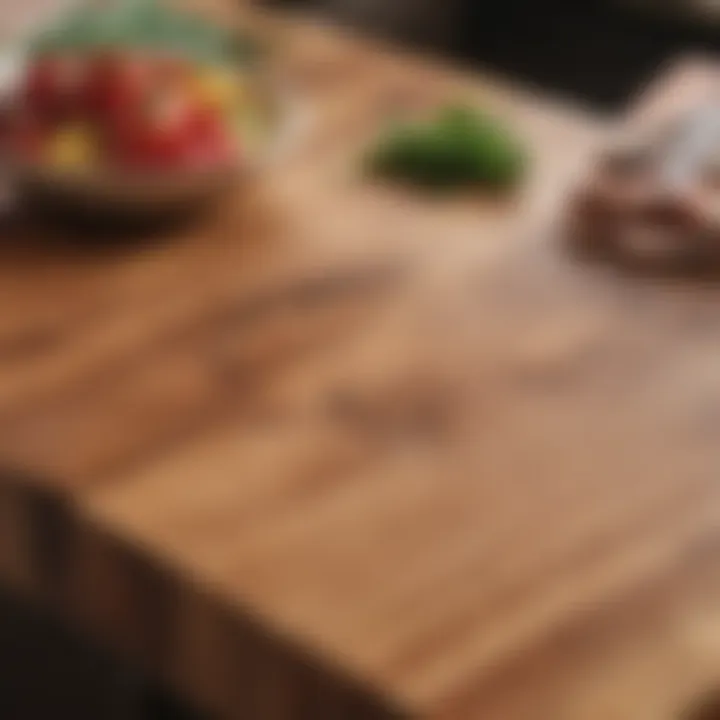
x=338, y=451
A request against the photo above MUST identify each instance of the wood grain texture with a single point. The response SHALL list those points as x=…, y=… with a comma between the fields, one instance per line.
x=339, y=451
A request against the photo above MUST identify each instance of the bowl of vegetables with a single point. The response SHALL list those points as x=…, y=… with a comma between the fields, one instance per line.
x=135, y=107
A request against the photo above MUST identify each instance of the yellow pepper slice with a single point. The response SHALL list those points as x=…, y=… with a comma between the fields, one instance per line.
x=73, y=147
x=218, y=88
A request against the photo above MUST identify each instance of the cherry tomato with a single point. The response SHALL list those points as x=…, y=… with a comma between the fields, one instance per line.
x=52, y=86
x=216, y=152
x=5, y=125
x=203, y=122
x=25, y=136
x=159, y=135
x=115, y=85
x=213, y=144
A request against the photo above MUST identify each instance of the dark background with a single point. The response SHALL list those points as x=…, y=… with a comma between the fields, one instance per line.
x=593, y=50
x=596, y=51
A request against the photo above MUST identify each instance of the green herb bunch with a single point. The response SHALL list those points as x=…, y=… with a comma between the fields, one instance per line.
x=459, y=147
x=138, y=24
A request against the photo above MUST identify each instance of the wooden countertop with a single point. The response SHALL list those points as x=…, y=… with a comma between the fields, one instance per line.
x=341, y=452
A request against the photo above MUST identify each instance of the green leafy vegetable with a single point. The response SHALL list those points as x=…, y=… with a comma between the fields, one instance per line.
x=145, y=24
x=459, y=147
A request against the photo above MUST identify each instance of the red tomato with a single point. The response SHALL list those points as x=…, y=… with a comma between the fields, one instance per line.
x=212, y=148
x=211, y=141
x=25, y=136
x=203, y=123
x=115, y=85
x=160, y=135
x=5, y=125
x=52, y=85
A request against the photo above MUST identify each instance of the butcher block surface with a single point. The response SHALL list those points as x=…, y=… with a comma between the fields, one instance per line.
x=342, y=451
